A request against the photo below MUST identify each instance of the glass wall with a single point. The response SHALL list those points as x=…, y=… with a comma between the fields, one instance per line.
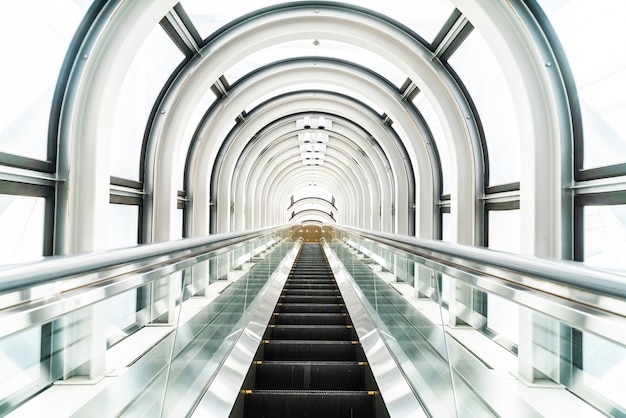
x=585, y=27
x=153, y=64
x=22, y=222
x=490, y=93
x=34, y=38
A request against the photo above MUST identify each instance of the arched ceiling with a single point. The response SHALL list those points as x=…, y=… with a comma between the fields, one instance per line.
x=270, y=69
x=407, y=159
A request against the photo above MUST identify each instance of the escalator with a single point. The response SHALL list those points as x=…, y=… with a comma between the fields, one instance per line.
x=310, y=362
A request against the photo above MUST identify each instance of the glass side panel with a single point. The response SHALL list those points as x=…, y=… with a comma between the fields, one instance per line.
x=123, y=225
x=504, y=235
x=442, y=360
x=592, y=35
x=488, y=89
x=317, y=48
x=425, y=17
x=22, y=226
x=154, y=62
x=34, y=37
x=20, y=356
x=446, y=235
x=432, y=120
x=121, y=314
x=605, y=236
x=604, y=368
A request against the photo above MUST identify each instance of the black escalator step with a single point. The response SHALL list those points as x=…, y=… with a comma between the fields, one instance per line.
x=309, y=307
x=304, y=281
x=305, y=286
x=296, y=350
x=311, y=332
x=310, y=299
x=311, y=292
x=294, y=404
x=310, y=319
x=310, y=375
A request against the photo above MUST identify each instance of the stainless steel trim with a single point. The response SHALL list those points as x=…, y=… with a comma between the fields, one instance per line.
x=395, y=391
x=224, y=389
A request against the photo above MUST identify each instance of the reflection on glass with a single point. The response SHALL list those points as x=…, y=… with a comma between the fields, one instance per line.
x=426, y=17
x=20, y=355
x=34, y=37
x=121, y=314
x=432, y=120
x=604, y=367
x=592, y=35
x=22, y=226
x=154, y=62
x=504, y=235
x=123, y=226
x=605, y=236
x=482, y=76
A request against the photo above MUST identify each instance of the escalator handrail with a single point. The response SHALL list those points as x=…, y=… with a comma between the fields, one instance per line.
x=505, y=265
x=50, y=269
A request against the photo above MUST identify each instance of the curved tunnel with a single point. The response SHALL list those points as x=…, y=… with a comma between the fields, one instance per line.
x=475, y=123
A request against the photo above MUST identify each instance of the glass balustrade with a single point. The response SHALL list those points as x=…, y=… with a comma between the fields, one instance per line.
x=145, y=335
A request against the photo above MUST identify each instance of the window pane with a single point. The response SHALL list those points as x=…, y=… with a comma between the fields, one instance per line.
x=604, y=367
x=504, y=235
x=480, y=73
x=20, y=356
x=121, y=314
x=605, y=236
x=194, y=120
x=426, y=17
x=154, y=62
x=34, y=37
x=428, y=113
x=123, y=225
x=22, y=226
x=592, y=34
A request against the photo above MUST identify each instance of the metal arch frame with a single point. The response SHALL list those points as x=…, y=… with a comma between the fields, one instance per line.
x=339, y=107
x=370, y=159
x=287, y=177
x=291, y=72
x=425, y=157
x=281, y=150
x=312, y=199
x=86, y=117
x=529, y=62
x=333, y=168
x=336, y=104
x=252, y=167
x=289, y=155
x=305, y=216
x=304, y=21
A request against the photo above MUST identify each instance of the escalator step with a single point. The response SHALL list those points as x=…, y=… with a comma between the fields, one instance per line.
x=310, y=299
x=293, y=404
x=311, y=375
x=310, y=307
x=311, y=332
x=311, y=292
x=310, y=350
x=310, y=319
